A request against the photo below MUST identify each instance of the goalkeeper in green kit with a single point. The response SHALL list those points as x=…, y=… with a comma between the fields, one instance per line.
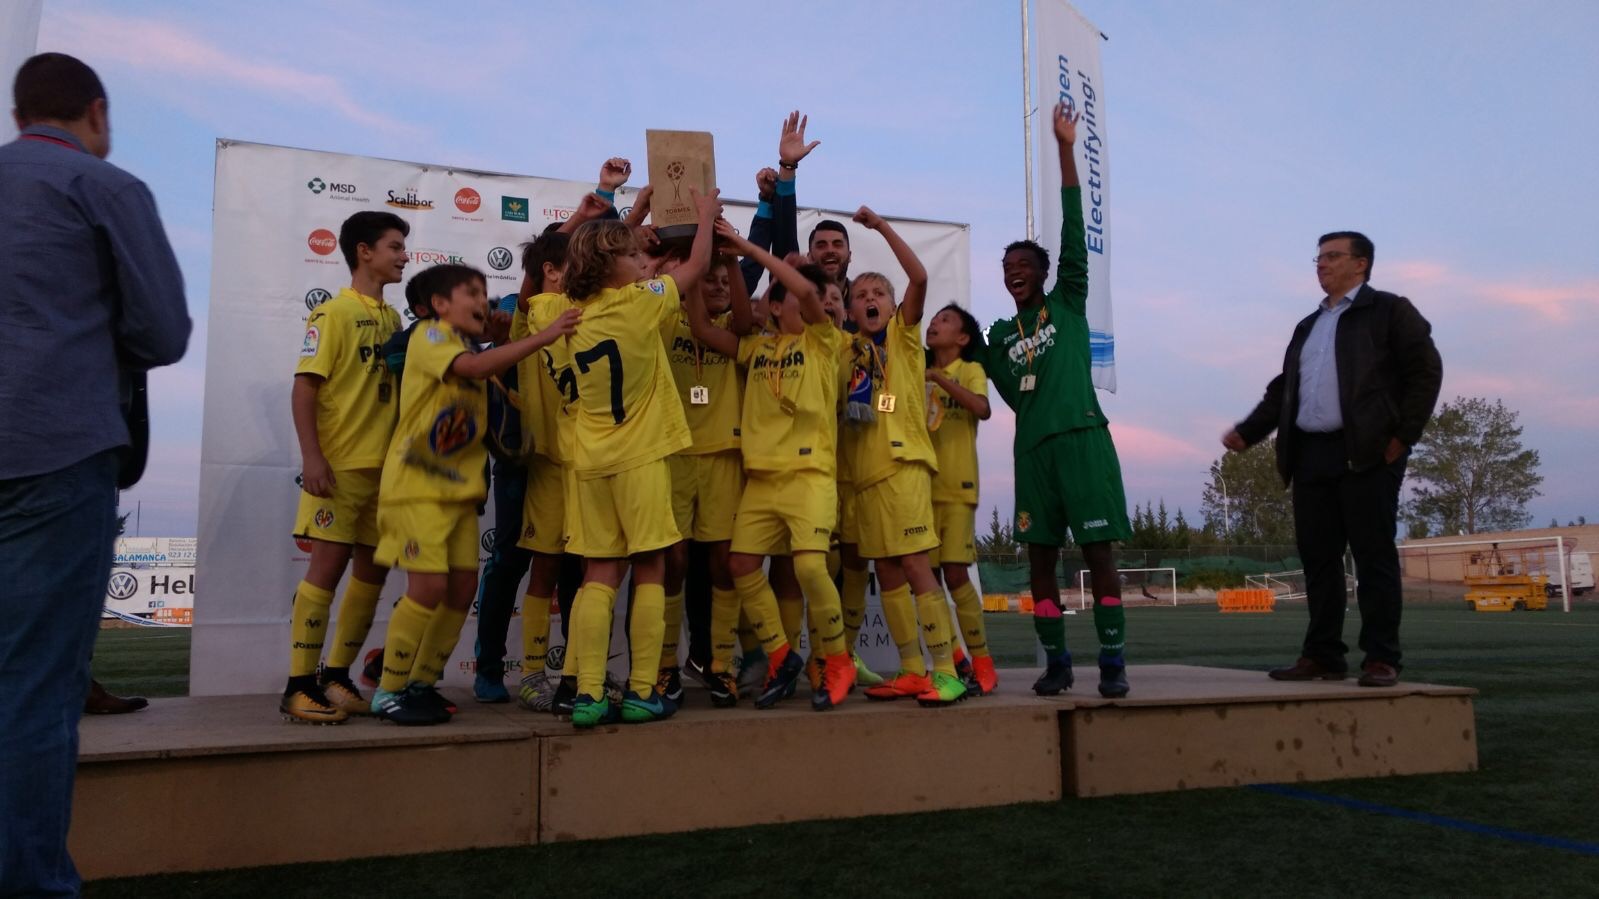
x=1067, y=474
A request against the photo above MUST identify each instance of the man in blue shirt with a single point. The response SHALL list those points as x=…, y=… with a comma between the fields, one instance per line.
x=90, y=299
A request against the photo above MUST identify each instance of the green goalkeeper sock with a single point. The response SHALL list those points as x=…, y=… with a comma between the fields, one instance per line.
x=1110, y=620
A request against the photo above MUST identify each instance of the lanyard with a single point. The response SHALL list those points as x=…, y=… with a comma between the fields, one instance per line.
x=1038, y=325
x=776, y=385
x=879, y=360
x=45, y=138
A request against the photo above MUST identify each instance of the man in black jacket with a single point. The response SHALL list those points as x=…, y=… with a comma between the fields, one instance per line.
x=1359, y=382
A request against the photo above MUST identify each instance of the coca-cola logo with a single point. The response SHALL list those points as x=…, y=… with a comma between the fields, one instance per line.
x=322, y=242
x=468, y=200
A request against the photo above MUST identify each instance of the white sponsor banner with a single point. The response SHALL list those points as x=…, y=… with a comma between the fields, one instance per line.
x=1066, y=48
x=19, y=36
x=154, y=596
x=139, y=552
x=276, y=216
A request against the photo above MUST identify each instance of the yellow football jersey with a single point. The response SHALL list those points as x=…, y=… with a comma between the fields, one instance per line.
x=790, y=416
x=438, y=453
x=544, y=379
x=954, y=433
x=355, y=407
x=714, y=423
x=878, y=447
x=627, y=409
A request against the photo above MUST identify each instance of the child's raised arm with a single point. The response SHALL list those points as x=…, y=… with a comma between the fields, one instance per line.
x=798, y=286
x=487, y=364
x=706, y=331
x=910, y=307
x=699, y=255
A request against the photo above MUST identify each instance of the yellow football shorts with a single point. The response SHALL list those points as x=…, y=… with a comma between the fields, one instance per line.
x=705, y=493
x=849, y=526
x=956, y=526
x=544, y=507
x=785, y=512
x=623, y=514
x=896, y=514
x=349, y=516
x=426, y=537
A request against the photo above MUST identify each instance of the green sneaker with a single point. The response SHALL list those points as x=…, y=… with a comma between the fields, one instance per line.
x=638, y=709
x=590, y=712
x=864, y=676
x=947, y=690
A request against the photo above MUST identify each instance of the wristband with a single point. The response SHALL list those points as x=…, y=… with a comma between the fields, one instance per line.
x=763, y=210
x=791, y=166
x=785, y=188
x=608, y=196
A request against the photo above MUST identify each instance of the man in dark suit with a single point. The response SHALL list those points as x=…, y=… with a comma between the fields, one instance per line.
x=1359, y=382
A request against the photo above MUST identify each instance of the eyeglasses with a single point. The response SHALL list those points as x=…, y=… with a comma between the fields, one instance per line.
x=1333, y=256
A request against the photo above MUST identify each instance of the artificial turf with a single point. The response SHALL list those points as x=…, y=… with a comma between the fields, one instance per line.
x=1538, y=738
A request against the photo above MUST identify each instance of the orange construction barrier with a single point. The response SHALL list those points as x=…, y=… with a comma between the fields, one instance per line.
x=1024, y=604
x=996, y=602
x=1258, y=600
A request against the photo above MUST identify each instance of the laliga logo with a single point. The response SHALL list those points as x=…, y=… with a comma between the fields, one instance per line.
x=322, y=242
x=122, y=585
x=468, y=200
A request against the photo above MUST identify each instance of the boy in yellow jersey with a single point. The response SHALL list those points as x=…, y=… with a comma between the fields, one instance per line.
x=708, y=476
x=892, y=460
x=957, y=401
x=627, y=421
x=344, y=407
x=788, y=506
x=433, y=482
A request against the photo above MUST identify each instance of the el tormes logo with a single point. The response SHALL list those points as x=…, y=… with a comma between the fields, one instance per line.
x=408, y=200
x=322, y=242
x=468, y=200
x=434, y=257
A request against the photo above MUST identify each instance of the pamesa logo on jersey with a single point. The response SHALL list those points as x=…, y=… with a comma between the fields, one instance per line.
x=500, y=259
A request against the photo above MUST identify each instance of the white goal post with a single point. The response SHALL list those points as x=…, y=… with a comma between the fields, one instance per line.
x=1562, y=557
x=1082, y=584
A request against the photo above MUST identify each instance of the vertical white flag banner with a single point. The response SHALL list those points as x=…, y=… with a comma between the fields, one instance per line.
x=19, y=36
x=1066, y=60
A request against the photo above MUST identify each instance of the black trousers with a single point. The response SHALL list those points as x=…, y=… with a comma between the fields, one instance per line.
x=1336, y=508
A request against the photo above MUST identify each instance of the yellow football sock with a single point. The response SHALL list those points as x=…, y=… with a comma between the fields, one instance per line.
x=644, y=636
x=535, y=633
x=900, y=610
x=724, y=628
x=406, y=627
x=934, y=614
x=791, y=609
x=755, y=596
x=827, y=634
x=438, y=642
x=747, y=641
x=672, y=630
x=853, y=600
x=835, y=561
x=355, y=622
x=308, y=627
x=969, y=609
x=590, y=635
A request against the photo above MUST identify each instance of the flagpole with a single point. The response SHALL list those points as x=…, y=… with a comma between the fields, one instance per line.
x=1027, y=120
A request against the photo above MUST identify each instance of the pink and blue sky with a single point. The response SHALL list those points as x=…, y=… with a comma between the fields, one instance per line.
x=1455, y=134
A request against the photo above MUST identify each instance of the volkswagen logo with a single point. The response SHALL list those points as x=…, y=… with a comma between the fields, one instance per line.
x=122, y=586
x=488, y=541
x=556, y=660
x=500, y=259
x=315, y=297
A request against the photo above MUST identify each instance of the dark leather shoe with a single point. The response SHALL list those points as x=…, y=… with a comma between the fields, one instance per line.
x=1307, y=669
x=99, y=702
x=1378, y=674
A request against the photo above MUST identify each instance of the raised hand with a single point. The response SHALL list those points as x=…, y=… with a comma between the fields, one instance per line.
x=867, y=218
x=591, y=206
x=498, y=329
x=766, y=183
x=614, y=173
x=1065, y=124
x=791, y=147
x=1234, y=442
x=709, y=205
x=565, y=323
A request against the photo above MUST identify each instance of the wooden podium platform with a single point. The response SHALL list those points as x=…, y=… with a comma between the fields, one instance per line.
x=219, y=782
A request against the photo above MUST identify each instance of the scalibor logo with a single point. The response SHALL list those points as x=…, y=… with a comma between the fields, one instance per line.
x=408, y=200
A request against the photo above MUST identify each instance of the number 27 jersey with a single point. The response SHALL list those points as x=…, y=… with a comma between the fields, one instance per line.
x=628, y=411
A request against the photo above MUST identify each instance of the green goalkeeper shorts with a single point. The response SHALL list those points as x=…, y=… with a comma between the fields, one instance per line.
x=1071, y=480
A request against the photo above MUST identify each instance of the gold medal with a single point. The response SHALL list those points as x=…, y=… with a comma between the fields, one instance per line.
x=1028, y=383
x=699, y=396
x=885, y=402
x=787, y=405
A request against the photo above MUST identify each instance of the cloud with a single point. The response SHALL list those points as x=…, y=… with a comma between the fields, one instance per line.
x=1556, y=302
x=166, y=49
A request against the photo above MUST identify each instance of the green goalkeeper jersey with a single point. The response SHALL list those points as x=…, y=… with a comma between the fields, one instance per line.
x=1050, y=343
